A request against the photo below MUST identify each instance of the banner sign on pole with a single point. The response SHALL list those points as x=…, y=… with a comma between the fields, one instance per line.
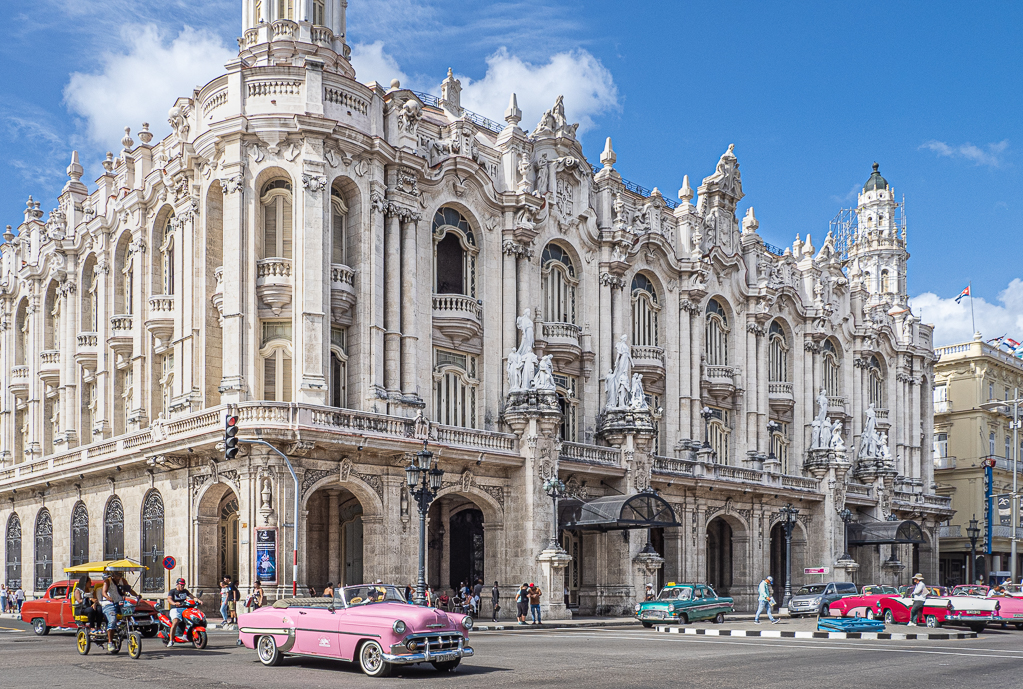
x=816, y=570
x=266, y=555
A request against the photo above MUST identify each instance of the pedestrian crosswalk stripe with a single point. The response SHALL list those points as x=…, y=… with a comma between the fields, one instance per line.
x=780, y=634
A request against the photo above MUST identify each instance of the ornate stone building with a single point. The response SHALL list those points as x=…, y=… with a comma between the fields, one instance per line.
x=330, y=259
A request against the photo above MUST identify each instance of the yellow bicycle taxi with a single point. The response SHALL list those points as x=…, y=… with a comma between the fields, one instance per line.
x=88, y=634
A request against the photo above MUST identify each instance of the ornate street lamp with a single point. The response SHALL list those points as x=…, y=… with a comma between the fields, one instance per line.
x=846, y=517
x=707, y=413
x=424, y=480
x=555, y=488
x=790, y=513
x=973, y=533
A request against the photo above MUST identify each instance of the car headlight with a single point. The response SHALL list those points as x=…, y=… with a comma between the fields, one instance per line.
x=671, y=608
x=638, y=606
x=816, y=601
x=467, y=622
x=398, y=627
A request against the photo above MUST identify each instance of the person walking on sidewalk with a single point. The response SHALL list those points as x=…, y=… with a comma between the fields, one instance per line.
x=534, y=602
x=765, y=600
x=919, y=597
x=495, y=597
x=522, y=603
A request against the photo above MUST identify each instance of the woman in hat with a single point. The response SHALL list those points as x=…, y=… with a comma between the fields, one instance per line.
x=919, y=596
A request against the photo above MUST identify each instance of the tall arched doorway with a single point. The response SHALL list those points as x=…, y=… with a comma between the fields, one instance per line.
x=228, y=536
x=719, y=555
x=334, y=538
x=778, y=569
x=466, y=560
x=456, y=543
x=218, y=537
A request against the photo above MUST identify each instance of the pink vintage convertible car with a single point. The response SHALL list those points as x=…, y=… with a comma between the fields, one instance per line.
x=369, y=624
x=1010, y=608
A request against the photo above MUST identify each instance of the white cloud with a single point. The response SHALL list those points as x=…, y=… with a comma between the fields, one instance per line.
x=587, y=86
x=952, y=321
x=373, y=64
x=990, y=155
x=140, y=83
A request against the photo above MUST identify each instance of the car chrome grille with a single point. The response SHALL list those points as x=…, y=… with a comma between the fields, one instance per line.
x=438, y=642
x=656, y=614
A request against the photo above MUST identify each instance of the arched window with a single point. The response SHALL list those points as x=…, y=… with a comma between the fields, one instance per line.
x=23, y=341
x=885, y=282
x=52, y=331
x=778, y=354
x=152, y=542
x=568, y=399
x=124, y=267
x=454, y=254
x=455, y=384
x=718, y=434
x=644, y=312
x=285, y=9
x=113, y=530
x=338, y=225
x=90, y=296
x=559, y=284
x=338, y=367
x=13, y=552
x=319, y=13
x=277, y=219
x=163, y=266
x=780, y=446
x=275, y=353
x=44, y=550
x=832, y=375
x=875, y=382
x=716, y=334
x=79, y=535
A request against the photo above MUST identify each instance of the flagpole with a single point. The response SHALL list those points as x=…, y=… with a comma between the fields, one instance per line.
x=973, y=319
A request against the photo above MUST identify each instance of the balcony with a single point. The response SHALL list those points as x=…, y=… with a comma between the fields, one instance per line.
x=218, y=294
x=49, y=366
x=161, y=320
x=649, y=361
x=457, y=316
x=718, y=382
x=560, y=340
x=951, y=531
x=999, y=531
x=321, y=35
x=882, y=417
x=87, y=352
x=120, y=339
x=19, y=380
x=590, y=454
x=342, y=293
x=836, y=405
x=944, y=463
x=943, y=407
x=273, y=283
x=779, y=396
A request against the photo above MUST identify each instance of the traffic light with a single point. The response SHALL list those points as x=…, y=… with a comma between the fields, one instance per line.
x=231, y=437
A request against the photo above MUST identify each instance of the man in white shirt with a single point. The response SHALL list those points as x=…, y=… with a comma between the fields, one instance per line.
x=765, y=600
x=919, y=596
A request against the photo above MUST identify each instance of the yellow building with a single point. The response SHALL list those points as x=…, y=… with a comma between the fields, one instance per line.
x=966, y=377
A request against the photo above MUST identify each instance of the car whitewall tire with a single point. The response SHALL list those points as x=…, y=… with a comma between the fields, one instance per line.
x=266, y=649
x=371, y=659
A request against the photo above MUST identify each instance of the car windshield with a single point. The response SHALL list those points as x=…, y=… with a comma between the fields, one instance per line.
x=811, y=589
x=372, y=593
x=676, y=593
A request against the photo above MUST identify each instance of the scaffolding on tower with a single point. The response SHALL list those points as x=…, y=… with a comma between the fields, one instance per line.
x=845, y=225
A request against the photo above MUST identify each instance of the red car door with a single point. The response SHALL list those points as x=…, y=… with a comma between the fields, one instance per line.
x=55, y=597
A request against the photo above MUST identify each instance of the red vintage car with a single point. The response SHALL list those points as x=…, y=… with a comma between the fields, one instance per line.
x=1010, y=608
x=863, y=604
x=56, y=610
x=966, y=611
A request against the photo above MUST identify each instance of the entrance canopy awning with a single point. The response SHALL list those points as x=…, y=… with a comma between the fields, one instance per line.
x=880, y=533
x=616, y=513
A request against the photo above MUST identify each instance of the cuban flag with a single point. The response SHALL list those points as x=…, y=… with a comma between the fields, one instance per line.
x=964, y=293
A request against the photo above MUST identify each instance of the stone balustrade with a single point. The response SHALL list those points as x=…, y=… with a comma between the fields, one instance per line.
x=273, y=268
x=162, y=304
x=780, y=388
x=321, y=35
x=283, y=29
x=121, y=324
x=88, y=340
x=644, y=352
x=590, y=454
x=727, y=474
x=568, y=331
x=341, y=275
x=19, y=372
x=49, y=357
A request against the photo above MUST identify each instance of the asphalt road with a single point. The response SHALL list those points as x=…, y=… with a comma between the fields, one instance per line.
x=595, y=657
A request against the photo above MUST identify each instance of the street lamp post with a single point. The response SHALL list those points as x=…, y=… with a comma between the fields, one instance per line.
x=846, y=516
x=1014, y=508
x=424, y=480
x=790, y=513
x=973, y=533
x=707, y=414
x=555, y=488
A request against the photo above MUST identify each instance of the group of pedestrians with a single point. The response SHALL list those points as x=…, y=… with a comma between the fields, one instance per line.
x=527, y=603
x=11, y=599
x=229, y=597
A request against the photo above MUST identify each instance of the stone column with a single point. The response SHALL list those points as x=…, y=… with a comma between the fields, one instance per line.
x=410, y=290
x=753, y=377
x=239, y=248
x=392, y=301
x=334, y=554
x=685, y=369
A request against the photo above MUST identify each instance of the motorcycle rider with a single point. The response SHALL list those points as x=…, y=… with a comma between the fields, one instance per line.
x=177, y=601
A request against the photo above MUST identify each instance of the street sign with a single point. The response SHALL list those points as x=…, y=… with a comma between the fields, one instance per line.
x=815, y=570
x=169, y=562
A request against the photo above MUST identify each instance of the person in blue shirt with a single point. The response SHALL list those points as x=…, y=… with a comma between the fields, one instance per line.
x=765, y=600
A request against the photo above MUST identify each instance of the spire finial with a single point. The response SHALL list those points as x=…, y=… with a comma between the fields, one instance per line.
x=685, y=194
x=513, y=115
x=127, y=141
x=75, y=170
x=608, y=157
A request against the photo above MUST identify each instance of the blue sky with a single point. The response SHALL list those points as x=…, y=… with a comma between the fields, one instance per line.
x=810, y=94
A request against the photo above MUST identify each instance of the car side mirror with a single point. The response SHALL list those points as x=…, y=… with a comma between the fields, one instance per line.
x=331, y=608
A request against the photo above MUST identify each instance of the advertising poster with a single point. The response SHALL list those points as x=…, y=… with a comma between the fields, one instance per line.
x=266, y=555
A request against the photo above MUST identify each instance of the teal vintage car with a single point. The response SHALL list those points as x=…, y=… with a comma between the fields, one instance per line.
x=683, y=603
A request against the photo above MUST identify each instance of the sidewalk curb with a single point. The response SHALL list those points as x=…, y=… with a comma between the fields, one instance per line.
x=553, y=625
x=779, y=634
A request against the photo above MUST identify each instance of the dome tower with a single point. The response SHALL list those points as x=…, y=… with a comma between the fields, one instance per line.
x=286, y=32
x=878, y=251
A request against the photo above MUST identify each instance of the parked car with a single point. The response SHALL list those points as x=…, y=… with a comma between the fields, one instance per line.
x=863, y=604
x=55, y=610
x=1010, y=608
x=684, y=603
x=967, y=611
x=816, y=599
x=370, y=624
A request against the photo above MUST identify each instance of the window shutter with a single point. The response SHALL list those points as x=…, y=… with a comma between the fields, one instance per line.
x=270, y=378
x=338, y=239
x=286, y=229
x=285, y=378
x=270, y=229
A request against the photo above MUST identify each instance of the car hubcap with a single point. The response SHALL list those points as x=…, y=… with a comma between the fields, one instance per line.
x=266, y=648
x=371, y=657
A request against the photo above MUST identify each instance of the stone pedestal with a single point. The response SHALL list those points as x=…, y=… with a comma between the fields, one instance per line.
x=830, y=468
x=553, y=561
x=845, y=570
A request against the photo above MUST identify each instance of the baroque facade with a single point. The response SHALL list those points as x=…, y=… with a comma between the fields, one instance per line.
x=353, y=270
x=973, y=457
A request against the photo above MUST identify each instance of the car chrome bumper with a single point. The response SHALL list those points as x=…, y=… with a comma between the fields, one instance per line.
x=429, y=656
x=970, y=618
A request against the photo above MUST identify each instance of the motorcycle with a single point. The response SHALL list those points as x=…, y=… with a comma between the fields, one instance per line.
x=191, y=628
